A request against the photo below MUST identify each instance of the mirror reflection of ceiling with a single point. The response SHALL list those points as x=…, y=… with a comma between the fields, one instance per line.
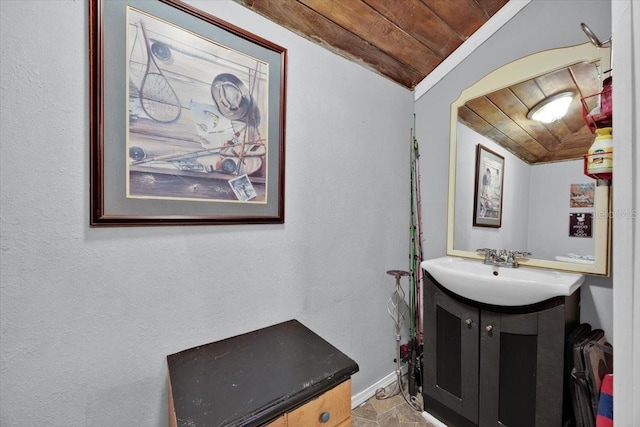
x=502, y=115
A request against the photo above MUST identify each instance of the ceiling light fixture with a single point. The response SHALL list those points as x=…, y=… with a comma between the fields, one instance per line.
x=551, y=109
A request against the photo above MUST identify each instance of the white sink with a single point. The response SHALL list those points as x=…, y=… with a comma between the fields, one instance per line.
x=474, y=280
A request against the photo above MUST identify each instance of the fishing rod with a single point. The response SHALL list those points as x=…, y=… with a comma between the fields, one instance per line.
x=140, y=156
x=418, y=254
x=415, y=254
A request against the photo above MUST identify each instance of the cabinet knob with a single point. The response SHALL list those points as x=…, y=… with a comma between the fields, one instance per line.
x=324, y=417
x=469, y=322
x=489, y=328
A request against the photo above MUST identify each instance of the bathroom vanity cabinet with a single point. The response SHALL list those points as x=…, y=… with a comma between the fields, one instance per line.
x=490, y=365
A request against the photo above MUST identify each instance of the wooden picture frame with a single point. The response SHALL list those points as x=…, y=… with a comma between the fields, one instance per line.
x=489, y=179
x=187, y=118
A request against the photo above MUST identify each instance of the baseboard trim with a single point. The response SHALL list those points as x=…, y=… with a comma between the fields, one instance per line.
x=433, y=420
x=369, y=392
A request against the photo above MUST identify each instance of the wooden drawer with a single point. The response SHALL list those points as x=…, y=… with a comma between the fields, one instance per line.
x=336, y=403
x=282, y=422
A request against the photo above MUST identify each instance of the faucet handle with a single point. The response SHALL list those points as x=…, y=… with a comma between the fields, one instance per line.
x=489, y=254
x=521, y=254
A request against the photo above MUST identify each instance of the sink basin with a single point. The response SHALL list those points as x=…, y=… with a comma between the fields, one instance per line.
x=474, y=280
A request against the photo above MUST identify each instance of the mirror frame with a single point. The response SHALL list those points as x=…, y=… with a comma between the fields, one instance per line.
x=520, y=70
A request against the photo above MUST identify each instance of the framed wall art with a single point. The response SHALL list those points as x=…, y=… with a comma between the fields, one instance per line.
x=581, y=224
x=187, y=118
x=489, y=178
x=582, y=195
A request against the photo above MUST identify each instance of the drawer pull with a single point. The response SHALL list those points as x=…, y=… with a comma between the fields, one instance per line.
x=324, y=417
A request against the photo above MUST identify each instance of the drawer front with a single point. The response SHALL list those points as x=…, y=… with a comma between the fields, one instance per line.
x=281, y=421
x=330, y=409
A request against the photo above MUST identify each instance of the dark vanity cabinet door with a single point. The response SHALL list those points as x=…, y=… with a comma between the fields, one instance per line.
x=492, y=366
x=451, y=362
x=521, y=368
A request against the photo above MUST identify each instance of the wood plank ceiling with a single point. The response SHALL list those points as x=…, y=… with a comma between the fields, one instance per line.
x=404, y=40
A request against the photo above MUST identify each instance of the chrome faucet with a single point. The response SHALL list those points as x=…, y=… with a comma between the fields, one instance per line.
x=502, y=257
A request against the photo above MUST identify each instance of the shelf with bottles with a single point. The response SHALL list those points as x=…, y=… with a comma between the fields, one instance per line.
x=597, y=109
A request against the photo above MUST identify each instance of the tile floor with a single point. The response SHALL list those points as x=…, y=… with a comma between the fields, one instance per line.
x=391, y=412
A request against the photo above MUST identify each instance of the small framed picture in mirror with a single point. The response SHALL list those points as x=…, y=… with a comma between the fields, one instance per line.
x=489, y=177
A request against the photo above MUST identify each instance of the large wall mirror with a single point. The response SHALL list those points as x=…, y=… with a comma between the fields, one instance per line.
x=547, y=201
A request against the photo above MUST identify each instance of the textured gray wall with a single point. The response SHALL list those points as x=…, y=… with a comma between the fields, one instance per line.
x=88, y=315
